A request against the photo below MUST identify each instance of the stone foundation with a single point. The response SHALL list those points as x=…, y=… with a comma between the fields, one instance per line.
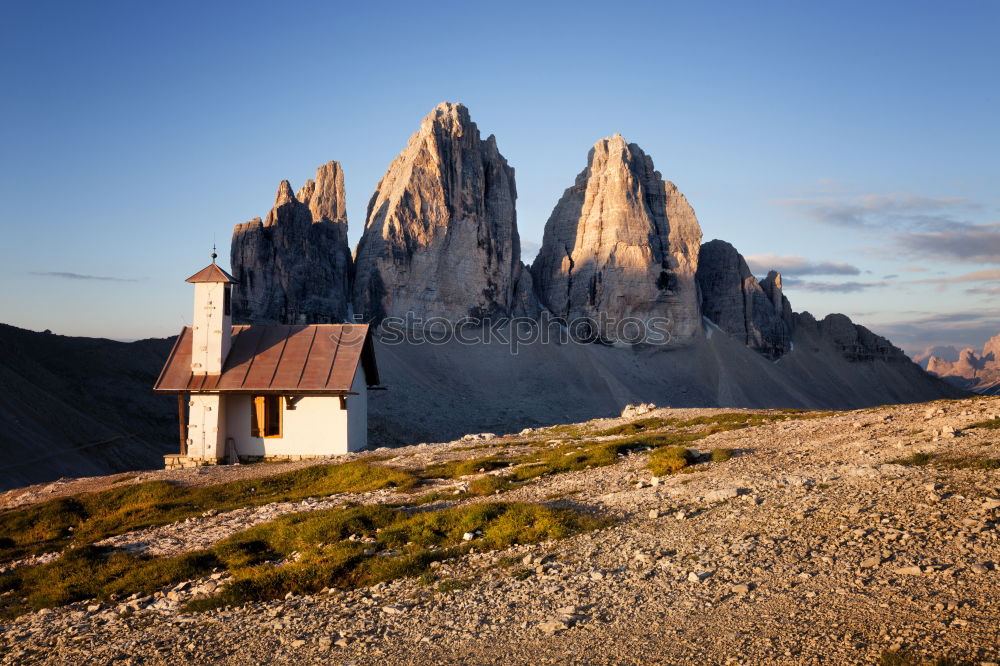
x=257, y=459
x=178, y=461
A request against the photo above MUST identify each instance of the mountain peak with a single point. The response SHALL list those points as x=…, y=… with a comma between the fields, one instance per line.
x=441, y=235
x=621, y=243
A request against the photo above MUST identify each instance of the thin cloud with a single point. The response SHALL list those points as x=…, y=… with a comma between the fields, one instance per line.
x=984, y=291
x=905, y=212
x=834, y=287
x=793, y=264
x=920, y=227
x=988, y=275
x=973, y=242
x=80, y=276
x=958, y=329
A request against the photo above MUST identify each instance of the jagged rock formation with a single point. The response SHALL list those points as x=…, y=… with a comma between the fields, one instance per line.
x=621, y=242
x=756, y=313
x=980, y=373
x=295, y=266
x=943, y=352
x=440, y=237
x=853, y=341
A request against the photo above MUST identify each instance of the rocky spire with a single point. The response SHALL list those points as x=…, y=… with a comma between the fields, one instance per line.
x=991, y=351
x=295, y=266
x=733, y=299
x=440, y=237
x=772, y=288
x=621, y=243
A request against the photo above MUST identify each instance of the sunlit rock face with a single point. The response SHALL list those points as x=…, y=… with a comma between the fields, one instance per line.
x=621, y=243
x=441, y=237
x=294, y=267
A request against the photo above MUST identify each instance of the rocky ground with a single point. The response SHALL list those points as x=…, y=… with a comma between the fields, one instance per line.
x=810, y=545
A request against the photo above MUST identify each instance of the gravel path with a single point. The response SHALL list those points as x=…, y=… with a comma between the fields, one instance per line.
x=808, y=547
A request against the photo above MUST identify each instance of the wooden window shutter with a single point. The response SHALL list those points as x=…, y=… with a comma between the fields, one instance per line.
x=257, y=417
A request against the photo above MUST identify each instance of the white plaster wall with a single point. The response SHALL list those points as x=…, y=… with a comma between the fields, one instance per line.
x=206, y=439
x=357, y=412
x=316, y=427
x=211, y=328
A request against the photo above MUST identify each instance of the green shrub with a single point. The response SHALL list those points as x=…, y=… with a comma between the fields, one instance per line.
x=721, y=455
x=915, y=460
x=670, y=460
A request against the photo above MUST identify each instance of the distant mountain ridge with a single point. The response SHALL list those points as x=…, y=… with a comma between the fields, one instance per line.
x=967, y=370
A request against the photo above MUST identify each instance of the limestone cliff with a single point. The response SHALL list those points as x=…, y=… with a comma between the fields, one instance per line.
x=756, y=313
x=621, y=243
x=295, y=266
x=440, y=237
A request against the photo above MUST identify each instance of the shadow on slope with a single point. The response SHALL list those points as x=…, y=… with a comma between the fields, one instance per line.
x=80, y=406
x=440, y=392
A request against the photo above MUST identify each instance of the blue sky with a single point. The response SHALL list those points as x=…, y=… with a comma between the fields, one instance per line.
x=856, y=145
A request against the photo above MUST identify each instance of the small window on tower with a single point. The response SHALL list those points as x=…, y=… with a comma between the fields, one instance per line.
x=227, y=300
x=266, y=416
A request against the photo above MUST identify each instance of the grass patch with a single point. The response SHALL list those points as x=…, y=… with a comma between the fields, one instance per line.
x=260, y=558
x=405, y=545
x=737, y=420
x=457, y=468
x=94, y=572
x=915, y=460
x=635, y=427
x=721, y=455
x=971, y=462
x=905, y=658
x=453, y=585
x=670, y=460
x=992, y=424
x=567, y=431
x=490, y=484
x=87, y=518
x=964, y=462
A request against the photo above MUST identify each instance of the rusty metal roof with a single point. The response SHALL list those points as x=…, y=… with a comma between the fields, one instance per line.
x=212, y=273
x=321, y=358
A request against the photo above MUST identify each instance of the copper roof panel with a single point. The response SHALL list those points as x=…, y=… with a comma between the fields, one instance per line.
x=297, y=348
x=212, y=273
x=242, y=348
x=317, y=368
x=317, y=358
x=267, y=357
x=346, y=358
